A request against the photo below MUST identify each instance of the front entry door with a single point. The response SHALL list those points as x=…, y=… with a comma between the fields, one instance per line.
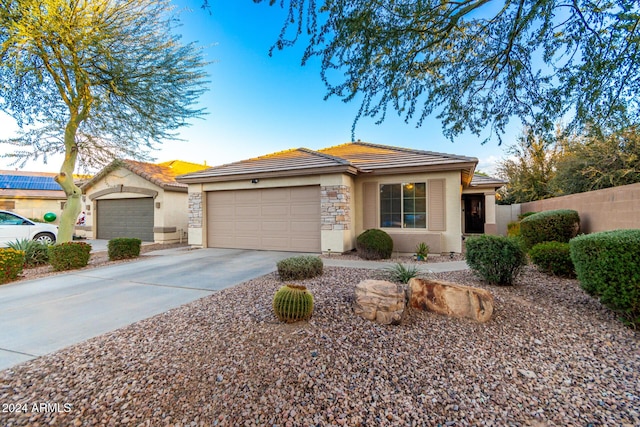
x=474, y=214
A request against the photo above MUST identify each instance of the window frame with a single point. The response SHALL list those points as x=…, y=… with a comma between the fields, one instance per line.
x=387, y=211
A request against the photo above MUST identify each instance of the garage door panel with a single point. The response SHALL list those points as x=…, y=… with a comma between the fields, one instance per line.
x=304, y=210
x=281, y=195
x=220, y=211
x=275, y=210
x=286, y=219
x=125, y=218
x=249, y=211
x=245, y=227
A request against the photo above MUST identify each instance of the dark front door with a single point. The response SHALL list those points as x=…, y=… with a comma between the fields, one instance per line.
x=474, y=214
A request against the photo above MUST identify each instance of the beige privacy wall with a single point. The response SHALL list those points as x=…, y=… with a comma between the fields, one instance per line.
x=600, y=210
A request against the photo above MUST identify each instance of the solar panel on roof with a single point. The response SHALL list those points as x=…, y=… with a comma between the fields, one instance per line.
x=21, y=182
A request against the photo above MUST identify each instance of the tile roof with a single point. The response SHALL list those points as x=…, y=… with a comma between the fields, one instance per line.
x=162, y=175
x=486, y=181
x=289, y=162
x=354, y=158
x=370, y=157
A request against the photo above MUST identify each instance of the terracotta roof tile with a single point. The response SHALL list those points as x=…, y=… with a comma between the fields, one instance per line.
x=162, y=175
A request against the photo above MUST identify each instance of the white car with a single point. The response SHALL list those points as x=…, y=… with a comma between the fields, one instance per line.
x=15, y=227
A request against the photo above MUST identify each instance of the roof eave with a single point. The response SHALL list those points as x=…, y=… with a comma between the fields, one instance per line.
x=348, y=169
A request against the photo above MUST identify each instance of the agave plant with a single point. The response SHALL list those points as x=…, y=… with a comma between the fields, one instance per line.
x=35, y=253
x=401, y=273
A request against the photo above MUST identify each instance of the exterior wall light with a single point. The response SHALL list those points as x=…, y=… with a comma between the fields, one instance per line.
x=255, y=181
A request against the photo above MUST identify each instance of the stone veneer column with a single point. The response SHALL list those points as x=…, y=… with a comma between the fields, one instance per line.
x=195, y=210
x=335, y=210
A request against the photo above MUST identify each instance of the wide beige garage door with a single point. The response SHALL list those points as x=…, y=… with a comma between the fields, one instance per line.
x=125, y=218
x=282, y=219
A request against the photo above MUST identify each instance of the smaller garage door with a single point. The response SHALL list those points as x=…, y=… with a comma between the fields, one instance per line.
x=125, y=218
x=282, y=219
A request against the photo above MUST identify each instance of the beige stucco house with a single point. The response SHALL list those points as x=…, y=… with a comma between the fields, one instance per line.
x=319, y=201
x=136, y=199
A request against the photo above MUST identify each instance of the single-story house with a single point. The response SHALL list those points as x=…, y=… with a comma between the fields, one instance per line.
x=31, y=194
x=128, y=198
x=303, y=200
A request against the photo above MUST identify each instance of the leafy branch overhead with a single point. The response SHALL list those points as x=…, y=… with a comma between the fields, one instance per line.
x=476, y=63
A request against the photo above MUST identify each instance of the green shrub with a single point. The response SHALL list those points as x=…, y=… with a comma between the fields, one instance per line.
x=524, y=215
x=401, y=273
x=513, y=229
x=559, y=225
x=35, y=253
x=608, y=266
x=496, y=259
x=11, y=264
x=292, y=303
x=123, y=248
x=69, y=255
x=553, y=258
x=374, y=244
x=300, y=267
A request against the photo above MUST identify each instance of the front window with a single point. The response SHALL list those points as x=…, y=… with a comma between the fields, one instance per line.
x=403, y=205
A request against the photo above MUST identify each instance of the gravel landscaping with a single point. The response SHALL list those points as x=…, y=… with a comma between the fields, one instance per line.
x=550, y=356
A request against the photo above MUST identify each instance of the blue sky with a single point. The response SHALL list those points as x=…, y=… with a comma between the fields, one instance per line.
x=258, y=104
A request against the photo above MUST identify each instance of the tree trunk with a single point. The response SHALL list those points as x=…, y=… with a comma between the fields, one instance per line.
x=73, y=206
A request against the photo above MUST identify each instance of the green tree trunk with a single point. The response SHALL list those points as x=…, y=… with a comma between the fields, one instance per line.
x=65, y=178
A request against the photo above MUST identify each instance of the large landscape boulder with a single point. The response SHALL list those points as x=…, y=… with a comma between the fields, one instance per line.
x=451, y=299
x=380, y=301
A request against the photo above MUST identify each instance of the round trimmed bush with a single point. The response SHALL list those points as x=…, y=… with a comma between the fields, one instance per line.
x=553, y=258
x=559, y=225
x=496, y=259
x=374, y=244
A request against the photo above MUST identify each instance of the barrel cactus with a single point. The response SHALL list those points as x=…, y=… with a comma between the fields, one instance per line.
x=293, y=303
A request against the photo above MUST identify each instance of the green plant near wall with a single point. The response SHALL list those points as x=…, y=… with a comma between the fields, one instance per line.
x=608, y=267
x=422, y=251
x=374, y=244
x=559, y=225
x=293, y=303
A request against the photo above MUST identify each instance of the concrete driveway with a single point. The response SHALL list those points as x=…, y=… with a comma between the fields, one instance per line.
x=45, y=315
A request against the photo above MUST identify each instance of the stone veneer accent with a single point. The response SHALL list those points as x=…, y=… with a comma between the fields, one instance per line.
x=195, y=210
x=335, y=207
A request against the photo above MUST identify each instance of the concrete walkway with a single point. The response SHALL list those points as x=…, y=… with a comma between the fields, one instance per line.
x=41, y=316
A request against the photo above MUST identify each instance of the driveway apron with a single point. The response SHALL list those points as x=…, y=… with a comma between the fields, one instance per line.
x=45, y=315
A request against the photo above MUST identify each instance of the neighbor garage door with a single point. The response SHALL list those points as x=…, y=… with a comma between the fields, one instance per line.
x=282, y=219
x=125, y=218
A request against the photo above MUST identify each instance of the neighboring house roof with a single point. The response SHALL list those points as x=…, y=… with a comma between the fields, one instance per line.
x=160, y=174
x=180, y=167
x=29, y=185
x=35, y=181
x=354, y=158
x=481, y=181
